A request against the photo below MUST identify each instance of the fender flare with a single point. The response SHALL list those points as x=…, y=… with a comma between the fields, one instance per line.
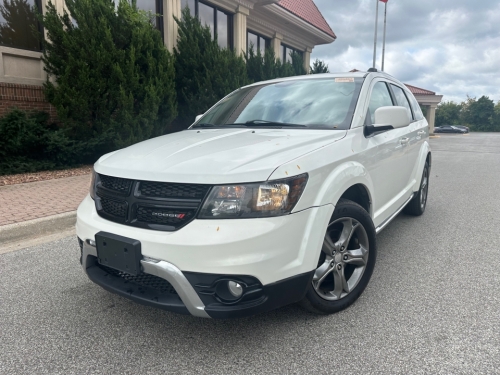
x=340, y=180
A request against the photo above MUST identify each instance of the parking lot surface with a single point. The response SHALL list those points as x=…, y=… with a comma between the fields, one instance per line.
x=432, y=306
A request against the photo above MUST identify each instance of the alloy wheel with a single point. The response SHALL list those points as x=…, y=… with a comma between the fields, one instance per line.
x=424, y=189
x=343, y=259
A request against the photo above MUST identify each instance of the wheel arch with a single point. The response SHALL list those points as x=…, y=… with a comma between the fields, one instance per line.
x=349, y=180
x=425, y=156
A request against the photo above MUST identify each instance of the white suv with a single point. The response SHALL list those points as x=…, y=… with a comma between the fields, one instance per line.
x=273, y=196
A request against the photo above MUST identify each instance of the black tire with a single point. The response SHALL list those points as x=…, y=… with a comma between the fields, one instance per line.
x=315, y=300
x=416, y=206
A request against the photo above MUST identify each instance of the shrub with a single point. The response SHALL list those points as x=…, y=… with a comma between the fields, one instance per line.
x=29, y=143
x=113, y=79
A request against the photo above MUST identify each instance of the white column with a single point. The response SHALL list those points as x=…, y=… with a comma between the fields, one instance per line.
x=307, y=60
x=276, y=44
x=240, y=29
x=431, y=117
x=171, y=8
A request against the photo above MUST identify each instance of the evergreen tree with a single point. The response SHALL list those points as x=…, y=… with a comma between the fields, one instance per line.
x=113, y=79
x=205, y=72
x=263, y=68
x=319, y=67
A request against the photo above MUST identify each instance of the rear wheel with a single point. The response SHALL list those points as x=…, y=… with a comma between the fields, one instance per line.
x=346, y=261
x=417, y=205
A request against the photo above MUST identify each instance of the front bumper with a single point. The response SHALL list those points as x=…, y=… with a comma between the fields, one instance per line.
x=183, y=297
x=277, y=254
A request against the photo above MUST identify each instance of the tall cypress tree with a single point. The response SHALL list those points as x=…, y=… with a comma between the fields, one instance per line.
x=111, y=78
x=205, y=72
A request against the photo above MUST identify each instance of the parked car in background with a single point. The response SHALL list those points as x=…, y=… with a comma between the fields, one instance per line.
x=462, y=127
x=450, y=129
x=273, y=196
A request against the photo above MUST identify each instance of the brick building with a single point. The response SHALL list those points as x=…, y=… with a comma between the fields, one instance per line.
x=286, y=25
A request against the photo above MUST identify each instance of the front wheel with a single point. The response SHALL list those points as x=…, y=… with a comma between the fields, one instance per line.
x=346, y=261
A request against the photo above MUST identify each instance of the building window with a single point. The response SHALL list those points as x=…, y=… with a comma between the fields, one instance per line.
x=258, y=42
x=153, y=6
x=217, y=19
x=17, y=20
x=286, y=51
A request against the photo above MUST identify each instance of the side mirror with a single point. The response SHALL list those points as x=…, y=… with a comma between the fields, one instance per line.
x=198, y=117
x=397, y=117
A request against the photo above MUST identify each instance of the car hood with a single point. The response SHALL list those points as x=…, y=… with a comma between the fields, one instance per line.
x=214, y=156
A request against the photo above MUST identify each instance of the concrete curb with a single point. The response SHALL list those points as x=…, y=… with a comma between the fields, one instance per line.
x=43, y=226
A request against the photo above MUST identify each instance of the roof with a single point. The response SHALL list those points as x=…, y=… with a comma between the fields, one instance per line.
x=418, y=91
x=309, y=12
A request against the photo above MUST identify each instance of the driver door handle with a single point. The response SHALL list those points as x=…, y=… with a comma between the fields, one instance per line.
x=421, y=132
x=404, y=141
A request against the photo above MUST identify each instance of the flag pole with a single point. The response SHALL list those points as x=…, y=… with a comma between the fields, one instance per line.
x=375, y=39
x=385, y=28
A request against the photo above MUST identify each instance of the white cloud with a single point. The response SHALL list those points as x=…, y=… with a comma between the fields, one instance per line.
x=448, y=46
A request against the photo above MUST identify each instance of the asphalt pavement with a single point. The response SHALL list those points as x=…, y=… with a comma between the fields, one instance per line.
x=432, y=306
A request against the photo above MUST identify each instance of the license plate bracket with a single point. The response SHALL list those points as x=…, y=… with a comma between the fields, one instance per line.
x=118, y=252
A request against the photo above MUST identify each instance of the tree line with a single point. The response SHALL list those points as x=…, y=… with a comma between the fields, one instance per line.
x=480, y=115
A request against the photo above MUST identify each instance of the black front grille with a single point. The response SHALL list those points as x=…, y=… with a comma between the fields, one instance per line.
x=143, y=279
x=148, y=204
x=168, y=190
x=118, y=185
x=113, y=207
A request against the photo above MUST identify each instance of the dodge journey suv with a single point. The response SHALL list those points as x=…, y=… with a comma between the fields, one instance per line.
x=273, y=196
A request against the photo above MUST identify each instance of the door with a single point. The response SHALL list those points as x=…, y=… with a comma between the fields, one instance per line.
x=389, y=163
x=417, y=132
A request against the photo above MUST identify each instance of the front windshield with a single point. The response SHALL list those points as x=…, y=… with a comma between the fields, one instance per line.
x=326, y=103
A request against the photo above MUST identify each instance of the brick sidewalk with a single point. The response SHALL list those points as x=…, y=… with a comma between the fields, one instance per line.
x=33, y=200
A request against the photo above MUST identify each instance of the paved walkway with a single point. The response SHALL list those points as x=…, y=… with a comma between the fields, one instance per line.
x=34, y=200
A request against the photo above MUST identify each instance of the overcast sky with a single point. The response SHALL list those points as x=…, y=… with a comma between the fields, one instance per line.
x=448, y=46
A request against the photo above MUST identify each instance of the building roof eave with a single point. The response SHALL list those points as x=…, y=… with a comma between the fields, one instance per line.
x=321, y=36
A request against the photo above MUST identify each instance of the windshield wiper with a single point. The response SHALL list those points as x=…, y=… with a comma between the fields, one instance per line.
x=217, y=126
x=272, y=123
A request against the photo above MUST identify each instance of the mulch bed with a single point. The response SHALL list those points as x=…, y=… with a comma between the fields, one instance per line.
x=44, y=175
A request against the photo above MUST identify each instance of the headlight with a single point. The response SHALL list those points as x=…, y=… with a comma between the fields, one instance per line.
x=92, y=185
x=270, y=198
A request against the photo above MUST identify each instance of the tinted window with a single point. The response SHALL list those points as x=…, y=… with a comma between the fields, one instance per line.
x=316, y=103
x=206, y=14
x=257, y=42
x=222, y=29
x=401, y=99
x=218, y=20
x=380, y=98
x=17, y=20
x=286, y=53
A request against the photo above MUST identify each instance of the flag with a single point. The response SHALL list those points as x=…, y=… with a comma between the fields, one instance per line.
x=384, y=1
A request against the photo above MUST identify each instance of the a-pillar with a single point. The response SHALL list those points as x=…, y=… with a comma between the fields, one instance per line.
x=431, y=117
x=240, y=29
x=276, y=44
x=307, y=60
x=171, y=9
